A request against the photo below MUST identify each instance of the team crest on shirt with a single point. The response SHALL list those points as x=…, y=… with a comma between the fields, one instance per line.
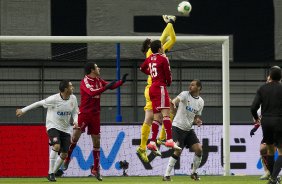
x=71, y=104
x=88, y=85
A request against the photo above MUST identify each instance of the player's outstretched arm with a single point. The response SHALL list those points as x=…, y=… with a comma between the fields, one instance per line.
x=20, y=112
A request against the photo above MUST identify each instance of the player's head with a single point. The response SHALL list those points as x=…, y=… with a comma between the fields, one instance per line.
x=156, y=46
x=195, y=87
x=275, y=73
x=91, y=68
x=145, y=46
x=66, y=87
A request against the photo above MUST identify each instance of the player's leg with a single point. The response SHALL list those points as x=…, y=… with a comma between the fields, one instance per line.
x=94, y=131
x=74, y=139
x=168, y=32
x=164, y=106
x=146, y=127
x=54, y=138
x=155, y=130
x=178, y=136
x=194, y=144
x=267, y=131
x=64, y=146
x=263, y=155
x=278, y=163
x=162, y=138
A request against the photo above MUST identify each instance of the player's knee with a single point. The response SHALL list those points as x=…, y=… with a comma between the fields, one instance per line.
x=263, y=151
x=56, y=147
x=199, y=150
x=74, y=140
x=148, y=121
x=64, y=155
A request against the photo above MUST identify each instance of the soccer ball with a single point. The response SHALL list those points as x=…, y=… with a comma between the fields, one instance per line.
x=184, y=8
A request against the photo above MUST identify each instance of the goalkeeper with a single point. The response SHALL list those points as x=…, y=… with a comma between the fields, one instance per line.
x=168, y=32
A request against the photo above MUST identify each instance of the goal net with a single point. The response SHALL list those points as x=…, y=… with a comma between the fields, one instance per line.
x=32, y=66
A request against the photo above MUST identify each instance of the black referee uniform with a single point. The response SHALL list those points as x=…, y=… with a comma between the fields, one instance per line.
x=269, y=96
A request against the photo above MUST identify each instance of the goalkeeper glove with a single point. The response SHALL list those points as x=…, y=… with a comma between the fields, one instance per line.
x=124, y=78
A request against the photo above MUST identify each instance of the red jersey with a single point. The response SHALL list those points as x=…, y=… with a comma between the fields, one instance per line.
x=90, y=92
x=158, y=67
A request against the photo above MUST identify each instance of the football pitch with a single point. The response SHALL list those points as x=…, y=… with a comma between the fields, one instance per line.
x=142, y=180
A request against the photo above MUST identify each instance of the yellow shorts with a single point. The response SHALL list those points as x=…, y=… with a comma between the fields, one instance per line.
x=148, y=105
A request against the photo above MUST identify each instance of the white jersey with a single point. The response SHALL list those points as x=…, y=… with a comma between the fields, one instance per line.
x=188, y=108
x=59, y=111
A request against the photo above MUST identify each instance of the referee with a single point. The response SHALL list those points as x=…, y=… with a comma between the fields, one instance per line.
x=269, y=96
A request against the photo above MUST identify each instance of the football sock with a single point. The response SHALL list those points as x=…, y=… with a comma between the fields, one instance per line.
x=277, y=167
x=196, y=162
x=167, y=125
x=58, y=164
x=145, y=131
x=96, y=157
x=52, y=159
x=162, y=133
x=155, y=130
x=172, y=160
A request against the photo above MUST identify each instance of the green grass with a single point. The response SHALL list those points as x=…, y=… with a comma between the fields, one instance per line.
x=142, y=180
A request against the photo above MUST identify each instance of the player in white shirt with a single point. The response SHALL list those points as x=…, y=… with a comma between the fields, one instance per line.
x=189, y=109
x=61, y=107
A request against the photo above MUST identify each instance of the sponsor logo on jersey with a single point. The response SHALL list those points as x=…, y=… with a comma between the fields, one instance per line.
x=66, y=113
x=191, y=109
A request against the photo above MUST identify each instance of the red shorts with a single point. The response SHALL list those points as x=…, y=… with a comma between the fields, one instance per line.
x=159, y=97
x=91, y=121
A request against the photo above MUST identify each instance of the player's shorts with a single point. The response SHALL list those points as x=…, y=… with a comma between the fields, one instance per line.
x=148, y=105
x=272, y=130
x=159, y=97
x=91, y=121
x=59, y=137
x=184, y=138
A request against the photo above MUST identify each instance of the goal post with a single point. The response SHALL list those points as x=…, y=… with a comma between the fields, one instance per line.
x=224, y=40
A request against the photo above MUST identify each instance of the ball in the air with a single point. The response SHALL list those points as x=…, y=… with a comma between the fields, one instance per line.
x=184, y=8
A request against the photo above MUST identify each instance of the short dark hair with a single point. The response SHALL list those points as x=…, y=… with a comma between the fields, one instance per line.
x=146, y=45
x=63, y=85
x=275, y=73
x=88, y=66
x=198, y=83
x=156, y=45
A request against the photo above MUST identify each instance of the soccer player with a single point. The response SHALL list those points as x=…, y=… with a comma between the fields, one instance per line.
x=157, y=65
x=91, y=88
x=60, y=108
x=168, y=39
x=263, y=148
x=189, y=109
x=269, y=97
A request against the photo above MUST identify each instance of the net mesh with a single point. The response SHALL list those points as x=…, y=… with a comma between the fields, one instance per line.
x=32, y=72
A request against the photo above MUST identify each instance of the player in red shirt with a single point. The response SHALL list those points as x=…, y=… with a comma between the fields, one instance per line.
x=157, y=65
x=91, y=87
